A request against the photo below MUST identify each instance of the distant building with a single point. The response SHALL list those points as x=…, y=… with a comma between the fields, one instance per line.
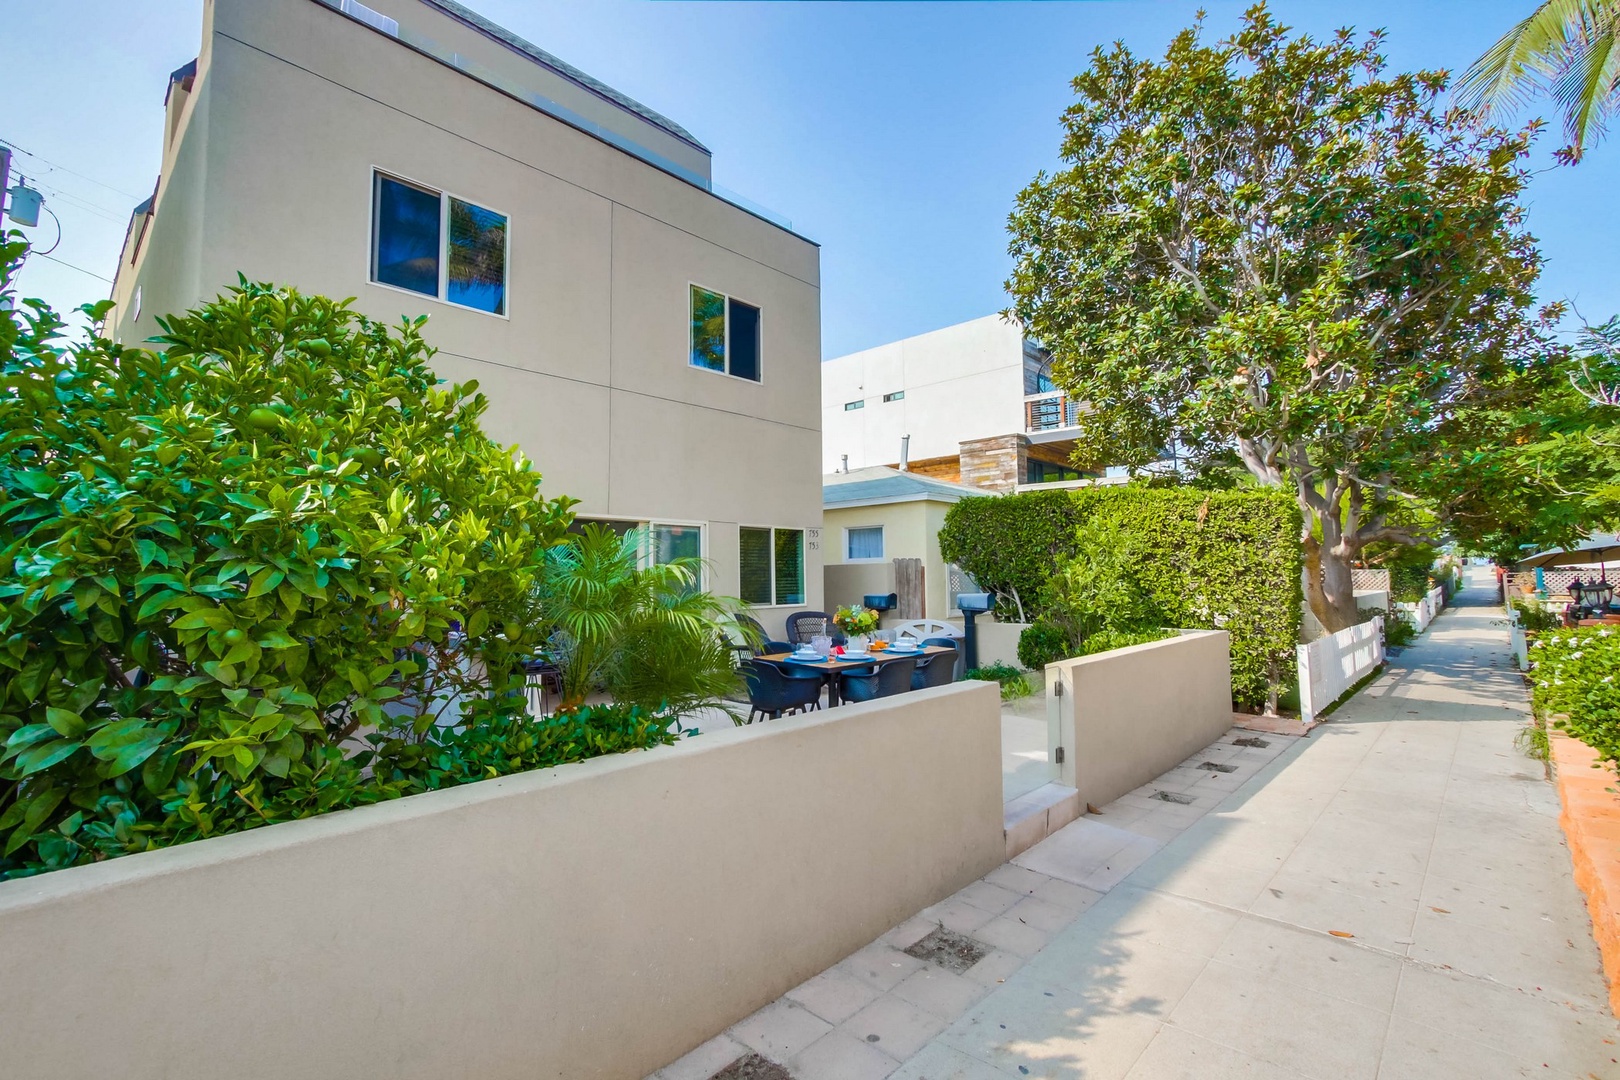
x=652, y=343
x=875, y=515
x=976, y=400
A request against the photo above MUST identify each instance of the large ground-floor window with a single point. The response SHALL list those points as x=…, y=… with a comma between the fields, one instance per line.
x=770, y=565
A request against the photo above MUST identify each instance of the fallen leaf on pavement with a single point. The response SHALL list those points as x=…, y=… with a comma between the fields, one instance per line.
x=1341, y=933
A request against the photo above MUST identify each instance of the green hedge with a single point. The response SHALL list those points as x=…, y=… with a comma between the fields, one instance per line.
x=1573, y=672
x=1210, y=560
x=1012, y=543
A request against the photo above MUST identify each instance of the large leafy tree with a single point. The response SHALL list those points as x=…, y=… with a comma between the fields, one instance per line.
x=1272, y=245
x=1566, y=48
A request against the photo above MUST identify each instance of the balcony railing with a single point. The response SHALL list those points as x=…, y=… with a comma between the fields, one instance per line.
x=1050, y=412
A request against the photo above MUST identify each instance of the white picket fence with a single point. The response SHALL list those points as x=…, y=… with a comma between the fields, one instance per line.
x=1424, y=611
x=1334, y=663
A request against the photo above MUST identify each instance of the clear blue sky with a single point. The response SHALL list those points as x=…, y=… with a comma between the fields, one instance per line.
x=895, y=134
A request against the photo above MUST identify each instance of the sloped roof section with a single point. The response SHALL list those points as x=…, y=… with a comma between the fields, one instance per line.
x=880, y=484
x=568, y=71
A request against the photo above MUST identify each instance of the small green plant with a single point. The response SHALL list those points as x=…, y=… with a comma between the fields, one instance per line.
x=1533, y=617
x=1042, y=643
x=1532, y=741
x=1013, y=682
x=1399, y=629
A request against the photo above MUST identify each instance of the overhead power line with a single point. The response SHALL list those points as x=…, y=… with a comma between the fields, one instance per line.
x=70, y=266
x=74, y=172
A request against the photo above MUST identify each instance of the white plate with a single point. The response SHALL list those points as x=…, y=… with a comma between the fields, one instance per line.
x=857, y=656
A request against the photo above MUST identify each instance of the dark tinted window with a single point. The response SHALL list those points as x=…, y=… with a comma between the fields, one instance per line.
x=708, y=329
x=477, y=271
x=405, y=237
x=754, y=565
x=744, y=340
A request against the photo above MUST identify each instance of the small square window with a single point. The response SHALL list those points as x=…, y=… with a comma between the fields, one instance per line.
x=428, y=242
x=725, y=334
x=865, y=542
x=898, y=395
x=851, y=406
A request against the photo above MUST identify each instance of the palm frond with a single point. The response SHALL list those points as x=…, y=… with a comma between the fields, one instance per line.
x=1564, y=47
x=1525, y=59
x=1586, y=90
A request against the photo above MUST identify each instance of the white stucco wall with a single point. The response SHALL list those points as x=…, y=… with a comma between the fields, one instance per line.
x=962, y=382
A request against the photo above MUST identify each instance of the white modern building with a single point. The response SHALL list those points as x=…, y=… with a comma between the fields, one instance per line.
x=973, y=404
x=652, y=343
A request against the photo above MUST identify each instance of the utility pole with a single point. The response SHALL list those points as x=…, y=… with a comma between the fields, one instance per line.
x=5, y=179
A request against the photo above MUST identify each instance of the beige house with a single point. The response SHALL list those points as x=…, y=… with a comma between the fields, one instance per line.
x=873, y=516
x=652, y=344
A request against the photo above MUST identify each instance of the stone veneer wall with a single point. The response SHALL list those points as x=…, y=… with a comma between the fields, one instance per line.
x=995, y=464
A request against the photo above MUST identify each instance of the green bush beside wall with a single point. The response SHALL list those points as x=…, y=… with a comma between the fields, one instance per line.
x=1210, y=560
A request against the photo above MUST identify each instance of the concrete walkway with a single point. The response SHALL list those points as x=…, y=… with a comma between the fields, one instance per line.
x=1390, y=898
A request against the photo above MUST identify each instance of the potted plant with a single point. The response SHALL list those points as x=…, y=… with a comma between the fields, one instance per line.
x=856, y=622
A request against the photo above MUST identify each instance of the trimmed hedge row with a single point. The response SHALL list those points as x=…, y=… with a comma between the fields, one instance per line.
x=1226, y=560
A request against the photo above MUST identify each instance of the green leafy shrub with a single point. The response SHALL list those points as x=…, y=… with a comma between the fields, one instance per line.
x=1013, y=682
x=1104, y=640
x=1043, y=643
x=1532, y=616
x=1399, y=629
x=1011, y=544
x=1098, y=588
x=1227, y=560
x=1574, y=672
x=1409, y=571
x=256, y=576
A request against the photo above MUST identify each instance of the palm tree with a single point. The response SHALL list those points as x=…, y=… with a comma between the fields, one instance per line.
x=647, y=635
x=1565, y=47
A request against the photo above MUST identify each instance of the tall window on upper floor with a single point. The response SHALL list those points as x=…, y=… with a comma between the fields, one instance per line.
x=436, y=244
x=725, y=334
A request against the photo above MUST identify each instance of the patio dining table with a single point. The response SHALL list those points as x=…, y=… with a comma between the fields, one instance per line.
x=834, y=666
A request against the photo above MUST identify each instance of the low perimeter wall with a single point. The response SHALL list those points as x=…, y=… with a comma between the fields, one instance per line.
x=1425, y=610
x=1332, y=664
x=998, y=641
x=595, y=920
x=1127, y=715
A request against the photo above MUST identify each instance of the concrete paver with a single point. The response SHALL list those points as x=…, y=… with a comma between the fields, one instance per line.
x=1389, y=898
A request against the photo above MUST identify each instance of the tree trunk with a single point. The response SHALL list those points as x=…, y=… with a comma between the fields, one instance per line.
x=1329, y=584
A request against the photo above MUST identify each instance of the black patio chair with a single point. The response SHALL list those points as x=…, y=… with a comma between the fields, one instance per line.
x=755, y=641
x=889, y=679
x=774, y=690
x=936, y=670
x=802, y=626
x=950, y=643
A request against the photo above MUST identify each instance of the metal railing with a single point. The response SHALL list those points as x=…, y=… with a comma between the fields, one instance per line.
x=1050, y=412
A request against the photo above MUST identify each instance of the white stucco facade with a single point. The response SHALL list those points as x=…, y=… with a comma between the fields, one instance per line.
x=960, y=383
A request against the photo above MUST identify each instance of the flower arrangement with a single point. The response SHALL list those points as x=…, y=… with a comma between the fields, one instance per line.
x=856, y=619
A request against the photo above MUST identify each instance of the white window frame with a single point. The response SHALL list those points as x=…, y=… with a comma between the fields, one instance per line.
x=883, y=543
x=445, y=195
x=690, y=343
x=804, y=562
x=647, y=546
x=646, y=525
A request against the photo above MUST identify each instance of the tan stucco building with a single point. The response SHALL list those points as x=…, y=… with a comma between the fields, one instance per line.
x=875, y=515
x=653, y=346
